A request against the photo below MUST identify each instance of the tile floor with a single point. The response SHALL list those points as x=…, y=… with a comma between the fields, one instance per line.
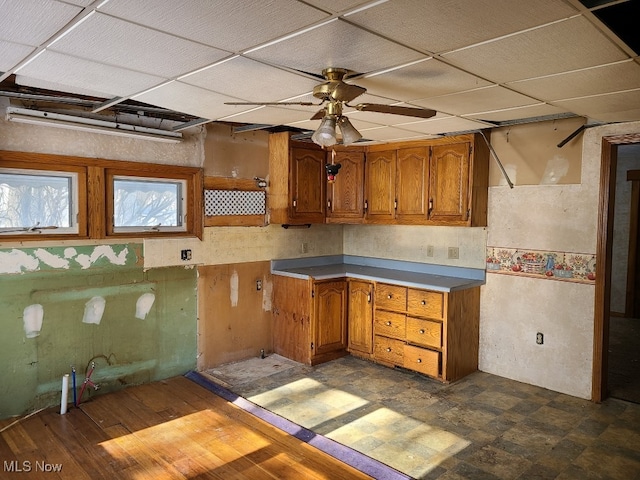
x=482, y=427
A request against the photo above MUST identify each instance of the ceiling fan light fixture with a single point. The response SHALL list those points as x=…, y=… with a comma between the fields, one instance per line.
x=348, y=131
x=325, y=135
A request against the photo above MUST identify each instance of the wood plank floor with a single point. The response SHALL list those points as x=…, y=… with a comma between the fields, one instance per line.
x=173, y=429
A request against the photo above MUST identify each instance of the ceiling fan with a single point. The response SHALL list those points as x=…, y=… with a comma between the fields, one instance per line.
x=335, y=94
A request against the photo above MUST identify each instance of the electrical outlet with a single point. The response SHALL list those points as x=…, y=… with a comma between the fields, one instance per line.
x=258, y=285
x=454, y=252
x=185, y=255
x=429, y=250
x=304, y=248
x=539, y=338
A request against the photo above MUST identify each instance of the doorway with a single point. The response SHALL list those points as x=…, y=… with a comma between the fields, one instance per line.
x=606, y=362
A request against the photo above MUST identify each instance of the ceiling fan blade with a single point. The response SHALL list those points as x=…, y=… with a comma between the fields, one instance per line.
x=396, y=110
x=304, y=104
x=344, y=92
x=319, y=115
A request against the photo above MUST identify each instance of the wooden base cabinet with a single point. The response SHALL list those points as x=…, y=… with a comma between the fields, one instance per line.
x=430, y=332
x=360, y=317
x=310, y=319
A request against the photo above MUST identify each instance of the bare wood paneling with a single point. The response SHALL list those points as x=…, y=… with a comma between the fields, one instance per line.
x=234, y=318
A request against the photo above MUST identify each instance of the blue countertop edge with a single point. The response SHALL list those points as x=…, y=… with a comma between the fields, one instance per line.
x=444, y=278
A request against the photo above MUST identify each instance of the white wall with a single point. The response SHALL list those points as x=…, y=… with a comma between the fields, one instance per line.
x=41, y=139
x=408, y=242
x=513, y=308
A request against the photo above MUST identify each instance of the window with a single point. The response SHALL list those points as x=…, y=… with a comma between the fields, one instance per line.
x=52, y=196
x=148, y=204
x=37, y=201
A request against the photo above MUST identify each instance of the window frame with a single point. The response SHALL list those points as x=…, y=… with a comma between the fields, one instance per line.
x=78, y=197
x=94, y=190
x=171, y=173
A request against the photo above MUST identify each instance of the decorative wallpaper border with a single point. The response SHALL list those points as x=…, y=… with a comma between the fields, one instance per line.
x=564, y=266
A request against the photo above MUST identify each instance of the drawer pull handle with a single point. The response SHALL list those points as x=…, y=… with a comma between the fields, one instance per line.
x=419, y=360
x=388, y=323
x=390, y=296
x=422, y=331
x=423, y=302
x=388, y=349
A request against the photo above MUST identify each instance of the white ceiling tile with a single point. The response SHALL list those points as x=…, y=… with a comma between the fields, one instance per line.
x=227, y=24
x=272, y=116
x=189, y=99
x=444, y=125
x=602, y=79
x=336, y=44
x=388, y=134
x=428, y=78
x=260, y=82
x=105, y=39
x=11, y=54
x=437, y=26
x=478, y=100
x=32, y=22
x=48, y=85
x=559, y=47
x=79, y=73
x=612, y=107
x=529, y=111
x=80, y=3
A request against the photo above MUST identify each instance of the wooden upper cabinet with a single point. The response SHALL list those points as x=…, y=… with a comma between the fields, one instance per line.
x=297, y=179
x=380, y=186
x=449, y=183
x=307, y=184
x=412, y=180
x=345, y=197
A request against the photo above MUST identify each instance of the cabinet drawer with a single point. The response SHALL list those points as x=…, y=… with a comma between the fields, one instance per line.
x=422, y=360
x=391, y=297
x=389, y=324
x=424, y=332
x=388, y=350
x=425, y=304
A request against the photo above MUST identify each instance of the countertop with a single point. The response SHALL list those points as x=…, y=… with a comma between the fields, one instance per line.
x=441, y=278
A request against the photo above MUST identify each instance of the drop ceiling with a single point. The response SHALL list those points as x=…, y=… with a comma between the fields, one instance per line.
x=479, y=63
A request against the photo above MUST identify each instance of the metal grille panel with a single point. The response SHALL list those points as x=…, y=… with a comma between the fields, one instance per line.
x=234, y=202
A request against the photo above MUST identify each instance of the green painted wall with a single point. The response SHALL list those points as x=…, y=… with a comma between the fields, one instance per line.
x=126, y=349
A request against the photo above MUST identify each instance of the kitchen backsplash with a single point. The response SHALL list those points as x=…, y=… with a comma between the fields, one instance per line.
x=564, y=266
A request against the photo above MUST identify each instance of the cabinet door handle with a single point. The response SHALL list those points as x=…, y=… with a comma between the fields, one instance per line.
x=395, y=204
x=366, y=205
x=369, y=298
x=388, y=323
x=422, y=331
x=329, y=204
x=419, y=360
x=295, y=202
x=423, y=302
x=390, y=296
x=388, y=349
x=430, y=206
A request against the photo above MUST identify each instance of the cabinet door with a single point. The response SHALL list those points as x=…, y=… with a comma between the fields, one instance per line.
x=380, y=186
x=307, y=187
x=345, y=197
x=329, y=321
x=449, y=184
x=360, y=317
x=412, y=184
